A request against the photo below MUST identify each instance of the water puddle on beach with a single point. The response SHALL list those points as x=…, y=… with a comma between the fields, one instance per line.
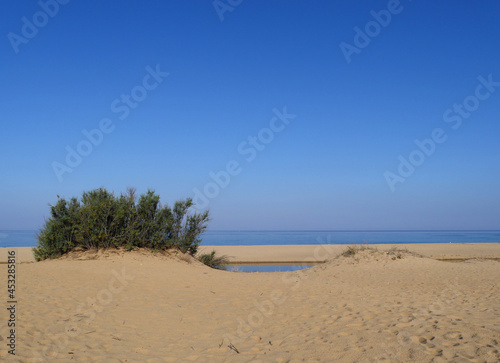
x=273, y=268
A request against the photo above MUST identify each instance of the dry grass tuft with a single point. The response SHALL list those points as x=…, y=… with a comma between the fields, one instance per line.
x=213, y=261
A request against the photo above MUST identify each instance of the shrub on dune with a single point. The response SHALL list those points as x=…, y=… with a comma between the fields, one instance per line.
x=102, y=220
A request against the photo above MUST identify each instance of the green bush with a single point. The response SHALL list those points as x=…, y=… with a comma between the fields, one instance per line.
x=101, y=220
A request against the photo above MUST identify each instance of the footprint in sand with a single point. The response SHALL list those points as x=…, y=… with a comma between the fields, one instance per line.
x=453, y=336
x=435, y=352
x=418, y=339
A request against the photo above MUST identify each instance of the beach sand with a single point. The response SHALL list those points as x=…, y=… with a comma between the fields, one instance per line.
x=369, y=307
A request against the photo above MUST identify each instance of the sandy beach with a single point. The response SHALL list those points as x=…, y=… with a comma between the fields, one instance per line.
x=377, y=305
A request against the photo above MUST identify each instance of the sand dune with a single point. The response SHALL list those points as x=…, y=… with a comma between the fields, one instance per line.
x=270, y=254
x=139, y=307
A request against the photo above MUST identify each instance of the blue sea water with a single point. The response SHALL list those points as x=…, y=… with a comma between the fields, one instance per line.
x=252, y=238
x=256, y=238
x=17, y=238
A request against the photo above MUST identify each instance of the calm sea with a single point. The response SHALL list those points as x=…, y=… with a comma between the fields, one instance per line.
x=255, y=238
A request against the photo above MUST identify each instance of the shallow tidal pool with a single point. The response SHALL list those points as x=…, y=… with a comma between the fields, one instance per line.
x=273, y=268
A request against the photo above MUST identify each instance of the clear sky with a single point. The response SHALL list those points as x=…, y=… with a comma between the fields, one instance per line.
x=306, y=112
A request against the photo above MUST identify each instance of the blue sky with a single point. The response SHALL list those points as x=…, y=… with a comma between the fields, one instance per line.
x=353, y=115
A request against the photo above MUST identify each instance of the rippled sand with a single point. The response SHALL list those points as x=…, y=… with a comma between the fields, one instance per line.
x=370, y=307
